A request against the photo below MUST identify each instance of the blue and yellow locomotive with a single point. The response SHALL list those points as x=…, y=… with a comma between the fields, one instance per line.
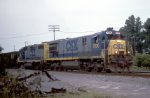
x=103, y=51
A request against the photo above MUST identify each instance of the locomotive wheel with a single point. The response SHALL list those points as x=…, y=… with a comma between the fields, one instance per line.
x=89, y=69
x=66, y=69
x=49, y=67
x=97, y=69
x=35, y=67
x=108, y=70
x=61, y=68
x=52, y=68
x=56, y=68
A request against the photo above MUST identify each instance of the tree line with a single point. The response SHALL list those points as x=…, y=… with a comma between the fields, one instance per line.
x=1, y=48
x=138, y=33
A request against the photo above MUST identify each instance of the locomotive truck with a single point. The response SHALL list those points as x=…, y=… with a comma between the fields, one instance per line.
x=103, y=51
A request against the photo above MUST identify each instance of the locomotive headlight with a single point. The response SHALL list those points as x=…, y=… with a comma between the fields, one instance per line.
x=116, y=52
x=128, y=52
x=118, y=41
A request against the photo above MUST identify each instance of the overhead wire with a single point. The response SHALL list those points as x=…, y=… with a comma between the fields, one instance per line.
x=37, y=34
x=20, y=36
x=29, y=35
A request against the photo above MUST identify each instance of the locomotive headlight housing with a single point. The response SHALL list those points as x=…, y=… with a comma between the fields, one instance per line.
x=118, y=41
x=116, y=52
x=128, y=52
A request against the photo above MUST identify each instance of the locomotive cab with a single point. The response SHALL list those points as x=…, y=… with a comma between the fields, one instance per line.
x=116, y=50
x=117, y=44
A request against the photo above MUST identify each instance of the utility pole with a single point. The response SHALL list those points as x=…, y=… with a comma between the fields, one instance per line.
x=53, y=28
x=26, y=43
x=26, y=50
x=14, y=48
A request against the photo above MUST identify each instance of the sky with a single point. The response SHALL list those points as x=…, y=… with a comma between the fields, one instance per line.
x=26, y=21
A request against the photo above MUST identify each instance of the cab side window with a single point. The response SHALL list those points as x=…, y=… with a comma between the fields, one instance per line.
x=95, y=40
x=84, y=41
x=103, y=38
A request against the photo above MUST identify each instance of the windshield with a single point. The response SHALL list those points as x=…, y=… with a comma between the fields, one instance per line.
x=116, y=36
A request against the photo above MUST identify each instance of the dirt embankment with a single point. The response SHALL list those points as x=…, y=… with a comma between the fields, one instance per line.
x=29, y=83
x=120, y=86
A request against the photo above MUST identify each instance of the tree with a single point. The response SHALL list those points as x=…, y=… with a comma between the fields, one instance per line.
x=2, y=68
x=138, y=25
x=147, y=34
x=147, y=26
x=132, y=29
x=130, y=25
x=1, y=48
x=133, y=26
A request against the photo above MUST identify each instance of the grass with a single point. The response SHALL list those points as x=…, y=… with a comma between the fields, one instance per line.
x=90, y=94
x=61, y=95
x=80, y=95
x=13, y=89
x=136, y=68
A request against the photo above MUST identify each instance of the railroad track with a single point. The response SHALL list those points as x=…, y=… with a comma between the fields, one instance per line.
x=144, y=74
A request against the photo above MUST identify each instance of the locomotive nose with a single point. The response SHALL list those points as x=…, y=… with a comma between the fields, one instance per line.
x=117, y=47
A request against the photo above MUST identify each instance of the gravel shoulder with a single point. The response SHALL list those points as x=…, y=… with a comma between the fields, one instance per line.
x=130, y=87
x=120, y=86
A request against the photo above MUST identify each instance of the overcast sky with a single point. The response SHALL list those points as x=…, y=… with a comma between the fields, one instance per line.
x=28, y=20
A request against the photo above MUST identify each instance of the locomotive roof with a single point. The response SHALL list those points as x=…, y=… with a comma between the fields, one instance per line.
x=32, y=45
x=113, y=32
x=105, y=32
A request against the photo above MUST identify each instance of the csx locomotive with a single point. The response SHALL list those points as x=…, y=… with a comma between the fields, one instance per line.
x=103, y=51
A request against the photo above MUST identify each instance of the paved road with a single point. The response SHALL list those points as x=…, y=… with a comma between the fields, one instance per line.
x=130, y=87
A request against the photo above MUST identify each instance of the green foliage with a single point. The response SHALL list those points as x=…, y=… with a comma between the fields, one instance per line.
x=1, y=48
x=132, y=26
x=147, y=34
x=132, y=29
x=147, y=26
x=141, y=60
x=137, y=60
x=2, y=70
x=146, y=62
x=137, y=34
x=12, y=88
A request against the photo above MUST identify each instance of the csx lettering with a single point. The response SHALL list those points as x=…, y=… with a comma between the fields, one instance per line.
x=95, y=46
x=71, y=45
x=118, y=46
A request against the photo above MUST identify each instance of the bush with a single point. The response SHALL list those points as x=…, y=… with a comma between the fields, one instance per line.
x=146, y=62
x=137, y=60
x=2, y=70
x=141, y=60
